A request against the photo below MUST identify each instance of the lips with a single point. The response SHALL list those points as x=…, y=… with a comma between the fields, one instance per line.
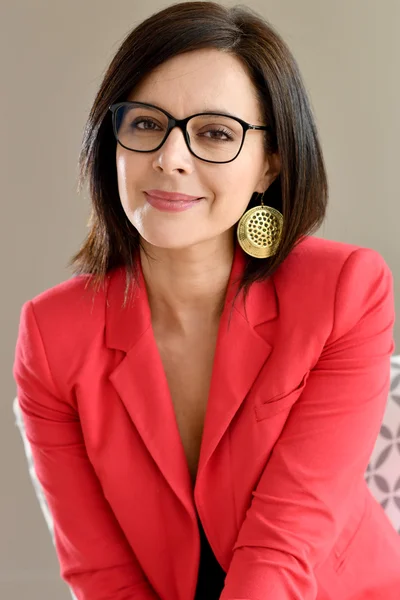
x=175, y=205
x=171, y=196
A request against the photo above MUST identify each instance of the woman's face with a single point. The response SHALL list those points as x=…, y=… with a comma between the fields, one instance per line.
x=195, y=82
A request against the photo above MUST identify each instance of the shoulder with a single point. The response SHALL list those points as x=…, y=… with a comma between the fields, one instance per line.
x=312, y=251
x=316, y=261
x=73, y=302
x=69, y=315
x=325, y=280
x=65, y=324
x=322, y=290
x=319, y=276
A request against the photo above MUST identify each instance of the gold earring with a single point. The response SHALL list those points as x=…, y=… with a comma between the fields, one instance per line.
x=259, y=230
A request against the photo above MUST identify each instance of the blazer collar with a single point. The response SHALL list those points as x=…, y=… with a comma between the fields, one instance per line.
x=124, y=327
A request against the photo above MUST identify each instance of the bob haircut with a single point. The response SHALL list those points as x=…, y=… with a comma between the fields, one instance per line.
x=300, y=191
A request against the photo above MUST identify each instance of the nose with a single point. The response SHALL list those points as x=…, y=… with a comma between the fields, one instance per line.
x=174, y=155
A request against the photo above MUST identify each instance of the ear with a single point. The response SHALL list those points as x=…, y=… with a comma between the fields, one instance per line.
x=271, y=172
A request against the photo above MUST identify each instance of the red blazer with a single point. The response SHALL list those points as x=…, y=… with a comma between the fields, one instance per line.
x=297, y=397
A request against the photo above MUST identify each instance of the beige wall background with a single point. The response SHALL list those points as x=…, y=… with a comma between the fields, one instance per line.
x=53, y=56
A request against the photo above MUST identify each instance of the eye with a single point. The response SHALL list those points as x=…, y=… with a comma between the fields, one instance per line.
x=150, y=124
x=217, y=134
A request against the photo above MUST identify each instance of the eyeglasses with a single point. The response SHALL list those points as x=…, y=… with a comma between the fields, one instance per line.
x=212, y=137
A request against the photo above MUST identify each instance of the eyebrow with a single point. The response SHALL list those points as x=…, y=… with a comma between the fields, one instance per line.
x=219, y=111
x=207, y=109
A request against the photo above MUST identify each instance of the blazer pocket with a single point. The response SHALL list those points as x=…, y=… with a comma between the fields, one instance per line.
x=279, y=402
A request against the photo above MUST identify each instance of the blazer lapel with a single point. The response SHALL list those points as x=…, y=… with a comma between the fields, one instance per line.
x=141, y=383
x=241, y=352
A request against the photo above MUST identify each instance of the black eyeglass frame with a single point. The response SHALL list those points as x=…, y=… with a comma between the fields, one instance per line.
x=182, y=124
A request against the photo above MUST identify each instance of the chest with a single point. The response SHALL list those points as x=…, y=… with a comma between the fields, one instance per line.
x=188, y=363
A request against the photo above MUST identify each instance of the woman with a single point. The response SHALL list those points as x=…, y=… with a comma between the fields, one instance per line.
x=214, y=377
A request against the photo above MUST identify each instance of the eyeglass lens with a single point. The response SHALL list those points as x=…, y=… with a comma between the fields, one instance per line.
x=211, y=137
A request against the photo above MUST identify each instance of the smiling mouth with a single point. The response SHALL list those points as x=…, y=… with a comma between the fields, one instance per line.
x=171, y=196
x=171, y=205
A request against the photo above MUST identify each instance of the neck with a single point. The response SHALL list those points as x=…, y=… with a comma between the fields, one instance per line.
x=186, y=287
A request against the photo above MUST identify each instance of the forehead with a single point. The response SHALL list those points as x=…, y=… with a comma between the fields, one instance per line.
x=198, y=81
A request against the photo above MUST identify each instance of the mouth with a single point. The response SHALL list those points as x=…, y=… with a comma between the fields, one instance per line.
x=171, y=196
x=172, y=206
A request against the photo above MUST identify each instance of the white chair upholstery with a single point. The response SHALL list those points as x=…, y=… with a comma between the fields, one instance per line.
x=382, y=474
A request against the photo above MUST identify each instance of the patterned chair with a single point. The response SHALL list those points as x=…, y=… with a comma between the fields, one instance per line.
x=383, y=471
x=382, y=474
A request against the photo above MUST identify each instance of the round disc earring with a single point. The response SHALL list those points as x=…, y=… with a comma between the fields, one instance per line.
x=259, y=230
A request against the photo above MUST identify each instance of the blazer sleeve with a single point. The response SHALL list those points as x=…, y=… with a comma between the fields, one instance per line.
x=304, y=495
x=95, y=558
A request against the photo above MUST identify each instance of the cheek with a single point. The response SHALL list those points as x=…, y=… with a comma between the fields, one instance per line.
x=238, y=183
x=126, y=183
x=122, y=173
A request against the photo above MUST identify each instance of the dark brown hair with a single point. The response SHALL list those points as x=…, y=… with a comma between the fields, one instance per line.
x=300, y=192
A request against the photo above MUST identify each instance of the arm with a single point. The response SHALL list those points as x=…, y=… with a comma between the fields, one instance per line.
x=94, y=555
x=305, y=493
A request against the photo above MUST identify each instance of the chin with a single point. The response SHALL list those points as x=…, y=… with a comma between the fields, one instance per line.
x=168, y=242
